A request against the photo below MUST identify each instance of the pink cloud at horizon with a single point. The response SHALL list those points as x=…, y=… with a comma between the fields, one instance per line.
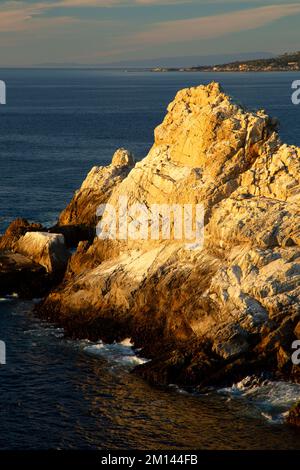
x=215, y=25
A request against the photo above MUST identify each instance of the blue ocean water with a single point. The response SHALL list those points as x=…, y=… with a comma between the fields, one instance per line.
x=57, y=124
x=63, y=394
x=57, y=393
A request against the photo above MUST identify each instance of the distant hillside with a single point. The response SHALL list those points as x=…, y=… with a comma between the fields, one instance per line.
x=285, y=62
x=190, y=61
x=168, y=62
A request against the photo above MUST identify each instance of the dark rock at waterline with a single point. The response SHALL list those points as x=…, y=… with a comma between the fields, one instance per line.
x=35, y=263
x=294, y=415
x=193, y=363
x=21, y=275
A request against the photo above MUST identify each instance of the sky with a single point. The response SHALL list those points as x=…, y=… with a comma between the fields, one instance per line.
x=34, y=32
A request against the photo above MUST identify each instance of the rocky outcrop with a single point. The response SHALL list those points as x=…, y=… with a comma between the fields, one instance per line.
x=16, y=230
x=77, y=222
x=31, y=262
x=46, y=249
x=209, y=314
x=122, y=158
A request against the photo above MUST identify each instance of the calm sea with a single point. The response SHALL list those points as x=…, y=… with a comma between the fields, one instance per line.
x=57, y=393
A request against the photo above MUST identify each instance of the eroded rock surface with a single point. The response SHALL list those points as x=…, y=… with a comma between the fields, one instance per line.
x=209, y=314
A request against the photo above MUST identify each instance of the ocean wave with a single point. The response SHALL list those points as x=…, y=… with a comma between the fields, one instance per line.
x=9, y=298
x=122, y=353
x=272, y=398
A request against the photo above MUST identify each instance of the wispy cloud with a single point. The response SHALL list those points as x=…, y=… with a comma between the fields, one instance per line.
x=18, y=15
x=115, y=34
x=112, y=3
x=14, y=4
x=214, y=26
x=108, y=3
x=85, y=3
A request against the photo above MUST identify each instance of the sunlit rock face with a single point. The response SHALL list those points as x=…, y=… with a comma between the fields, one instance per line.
x=206, y=314
x=46, y=249
x=77, y=222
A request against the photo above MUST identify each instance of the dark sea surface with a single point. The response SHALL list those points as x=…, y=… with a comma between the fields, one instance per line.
x=57, y=124
x=57, y=393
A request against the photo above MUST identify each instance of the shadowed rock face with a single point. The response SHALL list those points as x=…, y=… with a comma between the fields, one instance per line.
x=294, y=416
x=21, y=275
x=206, y=315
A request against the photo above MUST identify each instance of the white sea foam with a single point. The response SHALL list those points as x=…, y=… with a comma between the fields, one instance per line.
x=118, y=353
x=9, y=298
x=121, y=353
x=177, y=389
x=272, y=398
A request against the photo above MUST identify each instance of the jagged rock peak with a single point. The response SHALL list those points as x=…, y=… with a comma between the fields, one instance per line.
x=122, y=157
x=203, y=123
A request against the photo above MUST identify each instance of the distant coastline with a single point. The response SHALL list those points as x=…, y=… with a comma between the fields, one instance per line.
x=288, y=62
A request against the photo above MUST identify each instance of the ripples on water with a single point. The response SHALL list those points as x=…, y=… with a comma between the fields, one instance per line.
x=59, y=393
x=58, y=124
